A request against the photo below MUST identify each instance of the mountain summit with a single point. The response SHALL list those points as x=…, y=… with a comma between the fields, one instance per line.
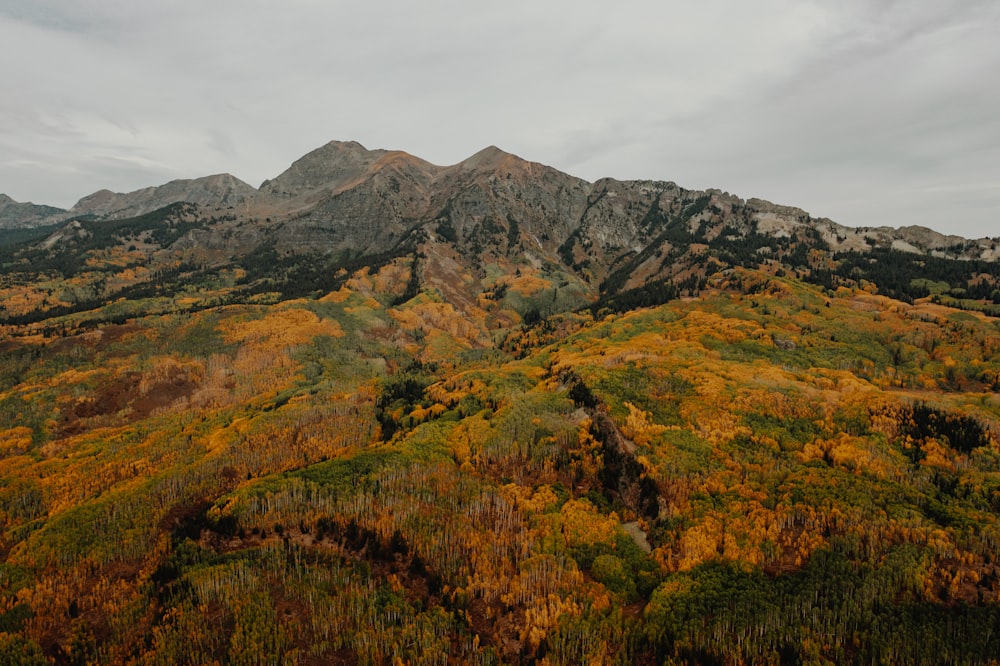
x=218, y=191
x=329, y=167
x=16, y=215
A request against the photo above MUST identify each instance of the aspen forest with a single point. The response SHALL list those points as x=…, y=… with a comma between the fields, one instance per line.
x=408, y=459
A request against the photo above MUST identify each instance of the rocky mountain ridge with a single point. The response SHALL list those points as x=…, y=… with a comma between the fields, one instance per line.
x=217, y=191
x=17, y=215
x=360, y=199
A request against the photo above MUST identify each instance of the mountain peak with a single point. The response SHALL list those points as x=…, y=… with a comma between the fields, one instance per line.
x=220, y=179
x=328, y=167
x=98, y=197
x=489, y=157
x=343, y=145
x=214, y=191
x=14, y=214
x=342, y=151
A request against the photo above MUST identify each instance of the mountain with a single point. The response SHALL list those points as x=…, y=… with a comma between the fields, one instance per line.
x=14, y=215
x=383, y=411
x=343, y=197
x=501, y=184
x=219, y=191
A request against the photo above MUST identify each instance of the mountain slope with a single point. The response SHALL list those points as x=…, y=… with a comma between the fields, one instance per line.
x=493, y=234
x=382, y=411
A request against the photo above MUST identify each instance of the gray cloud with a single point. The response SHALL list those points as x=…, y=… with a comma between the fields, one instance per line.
x=867, y=112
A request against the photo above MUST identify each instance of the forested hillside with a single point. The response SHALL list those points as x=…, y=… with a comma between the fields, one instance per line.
x=684, y=438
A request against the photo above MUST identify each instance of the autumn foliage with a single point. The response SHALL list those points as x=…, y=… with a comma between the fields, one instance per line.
x=771, y=472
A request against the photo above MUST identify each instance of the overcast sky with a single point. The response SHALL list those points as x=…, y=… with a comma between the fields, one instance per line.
x=869, y=112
